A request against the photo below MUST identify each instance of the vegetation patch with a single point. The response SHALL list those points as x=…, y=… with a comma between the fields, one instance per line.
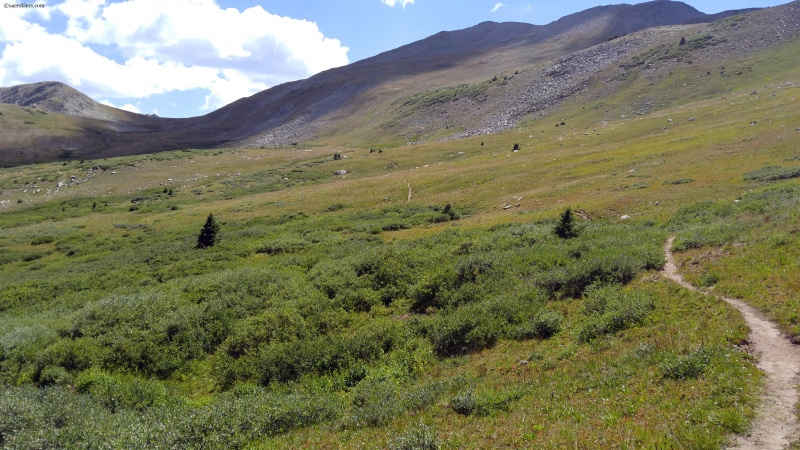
x=678, y=181
x=772, y=173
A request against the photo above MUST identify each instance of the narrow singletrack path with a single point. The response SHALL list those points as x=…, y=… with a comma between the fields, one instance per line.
x=775, y=425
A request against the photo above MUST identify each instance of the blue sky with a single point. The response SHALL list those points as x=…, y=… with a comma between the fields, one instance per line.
x=181, y=58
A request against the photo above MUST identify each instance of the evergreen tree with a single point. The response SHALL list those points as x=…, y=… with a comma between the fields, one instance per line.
x=565, y=228
x=209, y=235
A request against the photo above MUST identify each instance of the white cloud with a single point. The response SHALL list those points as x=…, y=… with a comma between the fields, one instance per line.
x=498, y=6
x=159, y=47
x=125, y=107
x=403, y=3
x=131, y=108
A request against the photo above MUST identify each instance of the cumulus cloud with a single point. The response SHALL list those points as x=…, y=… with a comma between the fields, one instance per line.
x=498, y=6
x=402, y=3
x=140, y=48
x=125, y=107
x=131, y=108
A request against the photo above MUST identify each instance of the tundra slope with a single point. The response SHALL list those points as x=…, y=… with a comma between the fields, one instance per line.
x=344, y=98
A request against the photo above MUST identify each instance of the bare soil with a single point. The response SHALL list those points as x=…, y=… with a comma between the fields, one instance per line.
x=776, y=425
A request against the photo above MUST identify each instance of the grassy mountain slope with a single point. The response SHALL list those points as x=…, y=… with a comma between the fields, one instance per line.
x=338, y=313
x=351, y=103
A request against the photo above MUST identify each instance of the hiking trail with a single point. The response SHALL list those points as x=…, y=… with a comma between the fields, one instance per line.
x=775, y=425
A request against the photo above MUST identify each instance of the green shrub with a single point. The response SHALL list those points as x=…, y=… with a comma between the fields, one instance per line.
x=468, y=403
x=679, y=181
x=610, y=309
x=709, y=279
x=469, y=328
x=416, y=437
x=53, y=375
x=779, y=239
x=374, y=404
x=33, y=256
x=39, y=240
x=464, y=403
x=543, y=325
x=772, y=173
x=687, y=366
x=282, y=245
x=420, y=397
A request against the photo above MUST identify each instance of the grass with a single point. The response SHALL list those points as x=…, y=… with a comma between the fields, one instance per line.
x=336, y=313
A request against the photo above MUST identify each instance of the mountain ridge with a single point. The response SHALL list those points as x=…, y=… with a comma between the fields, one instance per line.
x=311, y=108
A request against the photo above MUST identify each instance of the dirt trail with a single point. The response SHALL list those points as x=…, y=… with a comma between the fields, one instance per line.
x=776, y=425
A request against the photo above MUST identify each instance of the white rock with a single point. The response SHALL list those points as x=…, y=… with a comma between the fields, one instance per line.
x=625, y=217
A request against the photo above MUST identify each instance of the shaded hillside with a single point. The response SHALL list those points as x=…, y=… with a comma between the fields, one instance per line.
x=347, y=98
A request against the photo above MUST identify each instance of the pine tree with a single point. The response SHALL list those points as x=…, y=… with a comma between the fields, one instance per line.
x=209, y=235
x=565, y=228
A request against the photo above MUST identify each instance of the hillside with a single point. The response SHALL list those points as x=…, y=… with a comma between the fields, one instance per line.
x=435, y=295
x=350, y=97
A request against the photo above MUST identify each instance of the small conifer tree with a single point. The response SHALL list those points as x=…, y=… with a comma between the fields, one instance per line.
x=566, y=228
x=94, y=206
x=209, y=235
x=683, y=41
x=170, y=192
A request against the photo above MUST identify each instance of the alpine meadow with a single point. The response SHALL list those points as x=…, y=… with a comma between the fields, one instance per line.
x=509, y=236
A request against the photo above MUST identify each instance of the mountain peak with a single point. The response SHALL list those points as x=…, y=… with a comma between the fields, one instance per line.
x=54, y=96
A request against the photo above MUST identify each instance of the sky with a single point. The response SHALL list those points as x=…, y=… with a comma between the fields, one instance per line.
x=183, y=58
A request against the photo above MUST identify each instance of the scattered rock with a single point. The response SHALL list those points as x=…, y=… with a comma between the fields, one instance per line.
x=754, y=93
x=753, y=122
x=340, y=172
x=625, y=217
x=523, y=362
